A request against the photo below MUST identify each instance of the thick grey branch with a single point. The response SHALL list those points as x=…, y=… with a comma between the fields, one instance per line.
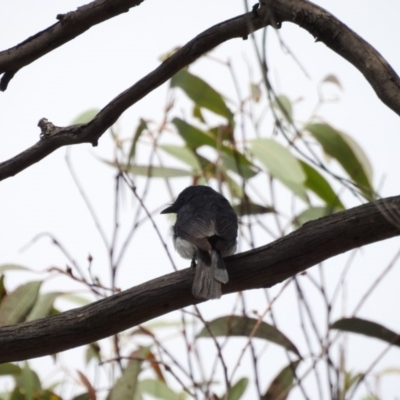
x=70, y=26
x=317, y=21
x=266, y=266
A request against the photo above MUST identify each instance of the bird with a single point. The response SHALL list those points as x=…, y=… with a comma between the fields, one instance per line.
x=205, y=231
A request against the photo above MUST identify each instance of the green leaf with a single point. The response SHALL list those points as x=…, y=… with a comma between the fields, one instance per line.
x=193, y=136
x=235, y=190
x=10, y=369
x=349, y=155
x=237, y=389
x=27, y=385
x=43, y=306
x=161, y=323
x=139, y=130
x=185, y=155
x=250, y=208
x=151, y=171
x=349, y=381
x=298, y=190
x=85, y=117
x=255, y=92
x=3, y=290
x=126, y=385
x=332, y=79
x=92, y=353
x=73, y=298
x=282, y=384
x=284, y=106
x=232, y=159
x=13, y=267
x=361, y=156
x=281, y=164
x=168, y=54
x=198, y=114
x=82, y=396
x=201, y=93
x=320, y=186
x=159, y=390
x=368, y=328
x=238, y=163
x=278, y=160
x=17, y=305
x=234, y=325
x=158, y=172
x=221, y=132
x=311, y=214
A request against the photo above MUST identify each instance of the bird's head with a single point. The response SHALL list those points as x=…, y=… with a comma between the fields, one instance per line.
x=185, y=196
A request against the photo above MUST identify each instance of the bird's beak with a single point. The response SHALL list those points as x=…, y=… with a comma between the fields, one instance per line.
x=168, y=210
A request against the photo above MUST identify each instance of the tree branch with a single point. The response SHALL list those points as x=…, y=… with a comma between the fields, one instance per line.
x=70, y=26
x=263, y=267
x=317, y=21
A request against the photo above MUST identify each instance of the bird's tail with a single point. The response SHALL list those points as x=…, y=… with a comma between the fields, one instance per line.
x=208, y=278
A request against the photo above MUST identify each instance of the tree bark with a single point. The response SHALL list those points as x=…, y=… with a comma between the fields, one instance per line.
x=263, y=267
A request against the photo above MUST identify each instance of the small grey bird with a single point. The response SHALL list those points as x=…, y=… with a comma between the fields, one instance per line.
x=205, y=231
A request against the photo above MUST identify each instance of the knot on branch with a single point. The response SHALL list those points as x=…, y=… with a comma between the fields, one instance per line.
x=47, y=128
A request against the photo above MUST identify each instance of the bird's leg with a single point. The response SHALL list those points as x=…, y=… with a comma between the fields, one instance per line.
x=193, y=263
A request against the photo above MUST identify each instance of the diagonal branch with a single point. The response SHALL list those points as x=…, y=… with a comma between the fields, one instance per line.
x=70, y=26
x=322, y=25
x=265, y=266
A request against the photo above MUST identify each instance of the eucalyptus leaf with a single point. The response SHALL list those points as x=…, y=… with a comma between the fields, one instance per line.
x=250, y=208
x=367, y=328
x=82, y=396
x=280, y=387
x=255, y=91
x=151, y=171
x=43, y=306
x=193, y=136
x=198, y=114
x=238, y=163
x=201, y=93
x=126, y=385
x=279, y=161
x=92, y=353
x=159, y=390
x=185, y=155
x=138, y=132
x=238, y=389
x=234, y=325
x=13, y=267
x=284, y=106
x=28, y=382
x=332, y=79
x=311, y=214
x=10, y=369
x=3, y=290
x=320, y=186
x=85, y=117
x=349, y=155
x=17, y=305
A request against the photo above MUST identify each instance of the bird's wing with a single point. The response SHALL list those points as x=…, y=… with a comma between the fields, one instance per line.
x=196, y=231
x=226, y=227
x=195, y=223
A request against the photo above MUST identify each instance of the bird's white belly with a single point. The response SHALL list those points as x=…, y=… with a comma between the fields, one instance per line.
x=185, y=248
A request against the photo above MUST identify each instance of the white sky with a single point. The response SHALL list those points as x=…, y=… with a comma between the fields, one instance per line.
x=89, y=71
